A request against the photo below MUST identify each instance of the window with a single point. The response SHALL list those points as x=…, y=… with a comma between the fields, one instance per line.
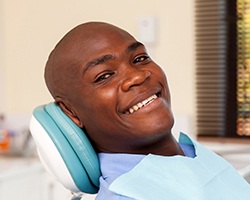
x=243, y=67
x=223, y=67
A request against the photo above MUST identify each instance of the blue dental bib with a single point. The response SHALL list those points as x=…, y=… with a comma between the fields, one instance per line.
x=205, y=177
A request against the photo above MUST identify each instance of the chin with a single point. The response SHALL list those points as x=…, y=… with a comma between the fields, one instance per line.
x=155, y=128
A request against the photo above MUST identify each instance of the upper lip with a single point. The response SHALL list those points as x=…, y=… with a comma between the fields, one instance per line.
x=140, y=97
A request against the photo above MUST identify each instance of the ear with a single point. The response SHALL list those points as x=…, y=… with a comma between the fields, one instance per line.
x=70, y=113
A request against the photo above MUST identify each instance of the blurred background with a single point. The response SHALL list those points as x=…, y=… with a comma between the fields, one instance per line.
x=173, y=34
x=31, y=29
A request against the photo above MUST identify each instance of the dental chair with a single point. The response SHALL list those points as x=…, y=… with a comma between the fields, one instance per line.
x=65, y=150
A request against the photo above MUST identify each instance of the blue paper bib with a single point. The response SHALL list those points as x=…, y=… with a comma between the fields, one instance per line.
x=205, y=177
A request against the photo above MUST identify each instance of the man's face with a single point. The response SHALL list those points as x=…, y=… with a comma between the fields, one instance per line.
x=121, y=97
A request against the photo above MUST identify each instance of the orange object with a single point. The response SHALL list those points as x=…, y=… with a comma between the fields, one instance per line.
x=4, y=140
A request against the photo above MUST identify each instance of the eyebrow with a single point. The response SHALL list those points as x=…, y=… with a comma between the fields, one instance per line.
x=107, y=57
x=134, y=46
x=98, y=61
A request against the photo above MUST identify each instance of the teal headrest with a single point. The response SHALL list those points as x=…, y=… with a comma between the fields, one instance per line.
x=53, y=130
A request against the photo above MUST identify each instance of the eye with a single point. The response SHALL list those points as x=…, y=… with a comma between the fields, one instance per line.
x=141, y=59
x=103, y=77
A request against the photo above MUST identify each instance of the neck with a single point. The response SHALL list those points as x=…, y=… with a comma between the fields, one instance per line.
x=164, y=147
x=168, y=147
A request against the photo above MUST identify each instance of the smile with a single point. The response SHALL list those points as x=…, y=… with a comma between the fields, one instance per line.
x=141, y=104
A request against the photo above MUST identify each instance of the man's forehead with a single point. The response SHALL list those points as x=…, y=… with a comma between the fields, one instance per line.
x=106, y=57
x=96, y=46
x=95, y=30
x=86, y=47
x=90, y=36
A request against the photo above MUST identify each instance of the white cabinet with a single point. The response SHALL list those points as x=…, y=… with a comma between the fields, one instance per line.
x=26, y=179
x=20, y=179
x=53, y=190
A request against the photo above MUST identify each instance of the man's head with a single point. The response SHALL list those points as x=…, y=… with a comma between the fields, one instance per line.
x=104, y=80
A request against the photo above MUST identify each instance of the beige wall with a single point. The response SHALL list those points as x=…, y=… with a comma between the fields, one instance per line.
x=2, y=88
x=30, y=29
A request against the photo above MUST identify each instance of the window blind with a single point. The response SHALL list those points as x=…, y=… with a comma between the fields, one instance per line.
x=211, y=66
x=223, y=67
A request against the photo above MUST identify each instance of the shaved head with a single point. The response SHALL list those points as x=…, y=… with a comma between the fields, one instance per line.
x=66, y=58
x=100, y=75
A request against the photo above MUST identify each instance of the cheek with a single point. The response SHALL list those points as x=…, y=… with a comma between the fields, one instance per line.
x=108, y=96
x=162, y=76
x=159, y=73
x=103, y=103
x=98, y=106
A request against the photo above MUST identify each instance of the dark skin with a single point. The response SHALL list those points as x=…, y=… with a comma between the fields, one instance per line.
x=100, y=76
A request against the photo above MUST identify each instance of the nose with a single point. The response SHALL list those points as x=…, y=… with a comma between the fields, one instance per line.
x=134, y=77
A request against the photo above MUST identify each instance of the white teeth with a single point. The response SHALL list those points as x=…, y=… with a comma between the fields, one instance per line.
x=135, y=107
x=141, y=104
x=145, y=102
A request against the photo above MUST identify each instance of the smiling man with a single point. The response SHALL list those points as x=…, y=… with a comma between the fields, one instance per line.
x=104, y=80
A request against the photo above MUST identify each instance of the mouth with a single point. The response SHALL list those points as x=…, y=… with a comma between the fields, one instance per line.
x=142, y=104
